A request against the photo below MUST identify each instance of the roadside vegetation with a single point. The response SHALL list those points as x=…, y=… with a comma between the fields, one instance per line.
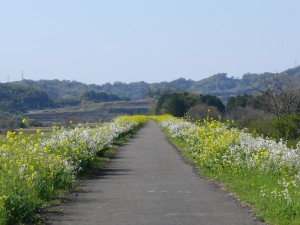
x=252, y=147
x=261, y=172
x=250, y=144
x=36, y=168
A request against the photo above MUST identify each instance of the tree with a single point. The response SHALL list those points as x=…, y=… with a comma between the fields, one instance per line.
x=213, y=101
x=280, y=94
x=178, y=104
x=35, y=99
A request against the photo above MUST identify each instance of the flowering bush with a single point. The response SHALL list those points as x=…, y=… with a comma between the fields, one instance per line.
x=32, y=168
x=264, y=166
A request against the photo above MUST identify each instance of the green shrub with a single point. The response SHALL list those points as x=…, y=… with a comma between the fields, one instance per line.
x=263, y=127
x=287, y=126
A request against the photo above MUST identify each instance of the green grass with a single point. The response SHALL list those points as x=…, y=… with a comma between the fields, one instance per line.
x=246, y=186
x=29, y=131
x=32, y=130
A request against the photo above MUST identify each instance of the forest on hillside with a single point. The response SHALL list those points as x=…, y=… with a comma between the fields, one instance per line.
x=27, y=94
x=220, y=85
x=20, y=98
x=15, y=100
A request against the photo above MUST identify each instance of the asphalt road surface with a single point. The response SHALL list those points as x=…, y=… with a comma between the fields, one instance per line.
x=148, y=183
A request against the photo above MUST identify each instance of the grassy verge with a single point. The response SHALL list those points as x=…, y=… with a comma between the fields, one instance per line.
x=260, y=173
x=29, y=131
x=246, y=187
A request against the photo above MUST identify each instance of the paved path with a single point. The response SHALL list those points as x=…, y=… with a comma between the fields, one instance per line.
x=148, y=183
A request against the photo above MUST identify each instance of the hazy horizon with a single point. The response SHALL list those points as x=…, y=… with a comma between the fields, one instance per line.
x=97, y=42
x=137, y=81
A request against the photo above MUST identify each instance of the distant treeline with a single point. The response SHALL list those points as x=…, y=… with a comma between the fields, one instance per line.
x=220, y=85
x=15, y=98
x=178, y=104
x=19, y=98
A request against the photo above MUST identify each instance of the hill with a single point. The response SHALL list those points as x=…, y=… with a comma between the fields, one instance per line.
x=220, y=85
x=20, y=98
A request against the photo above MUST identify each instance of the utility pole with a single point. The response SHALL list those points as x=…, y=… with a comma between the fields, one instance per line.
x=22, y=75
x=8, y=78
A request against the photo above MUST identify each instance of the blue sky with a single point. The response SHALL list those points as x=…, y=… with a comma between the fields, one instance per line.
x=99, y=41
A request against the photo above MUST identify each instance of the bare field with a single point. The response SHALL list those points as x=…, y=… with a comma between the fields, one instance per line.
x=91, y=112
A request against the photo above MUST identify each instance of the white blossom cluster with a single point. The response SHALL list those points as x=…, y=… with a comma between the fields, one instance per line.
x=246, y=150
x=82, y=142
